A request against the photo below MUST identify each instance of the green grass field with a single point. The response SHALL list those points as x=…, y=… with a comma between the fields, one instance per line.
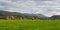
x=29, y=24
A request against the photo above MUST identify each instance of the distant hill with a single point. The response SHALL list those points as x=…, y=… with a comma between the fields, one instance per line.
x=55, y=17
x=41, y=16
x=6, y=13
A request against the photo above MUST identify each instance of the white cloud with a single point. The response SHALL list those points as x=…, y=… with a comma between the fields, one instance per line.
x=42, y=7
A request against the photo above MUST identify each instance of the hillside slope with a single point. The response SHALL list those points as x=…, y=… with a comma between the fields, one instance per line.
x=21, y=14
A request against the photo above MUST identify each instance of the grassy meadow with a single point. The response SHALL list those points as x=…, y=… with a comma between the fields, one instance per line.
x=29, y=24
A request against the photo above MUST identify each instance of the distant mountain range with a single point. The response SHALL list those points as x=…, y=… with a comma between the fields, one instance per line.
x=40, y=16
x=24, y=14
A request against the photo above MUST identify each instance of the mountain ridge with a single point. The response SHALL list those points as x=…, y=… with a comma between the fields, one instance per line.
x=6, y=13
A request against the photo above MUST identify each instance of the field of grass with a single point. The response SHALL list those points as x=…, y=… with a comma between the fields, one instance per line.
x=29, y=24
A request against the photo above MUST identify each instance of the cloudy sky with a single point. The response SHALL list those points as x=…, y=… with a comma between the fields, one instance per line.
x=46, y=7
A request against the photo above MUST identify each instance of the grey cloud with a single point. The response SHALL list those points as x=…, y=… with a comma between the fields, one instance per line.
x=48, y=8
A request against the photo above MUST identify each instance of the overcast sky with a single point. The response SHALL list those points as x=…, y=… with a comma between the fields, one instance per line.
x=46, y=7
